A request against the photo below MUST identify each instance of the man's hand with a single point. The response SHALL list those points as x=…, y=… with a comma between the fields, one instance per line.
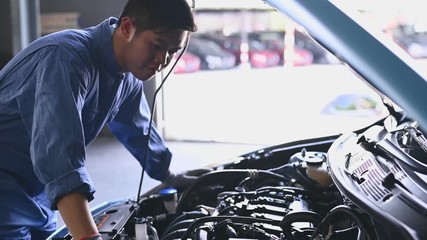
x=93, y=237
x=186, y=178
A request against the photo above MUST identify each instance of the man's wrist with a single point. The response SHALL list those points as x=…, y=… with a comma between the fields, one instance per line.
x=95, y=236
x=170, y=176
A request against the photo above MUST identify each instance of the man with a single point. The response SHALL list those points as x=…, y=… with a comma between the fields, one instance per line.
x=58, y=93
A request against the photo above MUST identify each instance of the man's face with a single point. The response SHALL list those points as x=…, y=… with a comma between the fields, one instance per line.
x=149, y=51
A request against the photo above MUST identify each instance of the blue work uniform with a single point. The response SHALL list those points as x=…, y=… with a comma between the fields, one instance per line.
x=55, y=97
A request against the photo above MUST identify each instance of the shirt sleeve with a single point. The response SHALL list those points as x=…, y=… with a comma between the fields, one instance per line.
x=131, y=127
x=57, y=141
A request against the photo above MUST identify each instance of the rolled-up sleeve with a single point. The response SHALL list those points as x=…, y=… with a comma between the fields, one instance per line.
x=131, y=127
x=57, y=140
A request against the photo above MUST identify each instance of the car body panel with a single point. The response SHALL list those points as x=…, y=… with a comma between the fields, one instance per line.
x=212, y=56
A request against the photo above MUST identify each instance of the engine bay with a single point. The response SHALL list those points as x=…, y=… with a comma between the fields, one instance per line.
x=369, y=184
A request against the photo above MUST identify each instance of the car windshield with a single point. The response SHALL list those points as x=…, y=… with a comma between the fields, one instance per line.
x=309, y=93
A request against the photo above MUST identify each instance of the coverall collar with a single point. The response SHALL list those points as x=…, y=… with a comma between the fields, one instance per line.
x=104, y=46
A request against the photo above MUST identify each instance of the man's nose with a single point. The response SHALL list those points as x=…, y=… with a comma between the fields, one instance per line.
x=163, y=59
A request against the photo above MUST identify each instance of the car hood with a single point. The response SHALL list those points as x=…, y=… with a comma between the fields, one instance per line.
x=371, y=54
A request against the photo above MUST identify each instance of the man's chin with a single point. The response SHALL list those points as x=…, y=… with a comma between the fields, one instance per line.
x=145, y=77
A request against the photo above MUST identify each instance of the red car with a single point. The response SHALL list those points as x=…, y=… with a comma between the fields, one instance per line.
x=300, y=57
x=188, y=63
x=254, y=52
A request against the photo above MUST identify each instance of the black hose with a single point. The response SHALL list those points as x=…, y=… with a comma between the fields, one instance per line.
x=347, y=210
x=300, y=216
x=183, y=217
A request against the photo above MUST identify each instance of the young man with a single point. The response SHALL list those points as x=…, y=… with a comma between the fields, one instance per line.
x=58, y=93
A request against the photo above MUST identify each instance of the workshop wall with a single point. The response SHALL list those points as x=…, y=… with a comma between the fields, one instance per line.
x=6, y=39
x=91, y=12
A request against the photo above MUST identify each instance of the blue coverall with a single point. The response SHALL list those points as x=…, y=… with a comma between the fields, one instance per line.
x=55, y=97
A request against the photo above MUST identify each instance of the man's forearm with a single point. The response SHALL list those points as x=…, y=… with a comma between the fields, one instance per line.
x=74, y=209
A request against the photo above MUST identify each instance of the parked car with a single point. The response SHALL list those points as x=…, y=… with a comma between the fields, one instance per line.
x=367, y=183
x=258, y=56
x=252, y=51
x=357, y=105
x=188, y=63
x=302, y=43
x=211, y=55
x=412, y=41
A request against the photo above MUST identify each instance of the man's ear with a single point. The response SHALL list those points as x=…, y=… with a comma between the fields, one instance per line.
x=127, y=28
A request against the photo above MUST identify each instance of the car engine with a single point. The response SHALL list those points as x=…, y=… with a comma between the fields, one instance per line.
x=369, y=184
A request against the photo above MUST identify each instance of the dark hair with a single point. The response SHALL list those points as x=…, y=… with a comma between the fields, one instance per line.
x=160, y=14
